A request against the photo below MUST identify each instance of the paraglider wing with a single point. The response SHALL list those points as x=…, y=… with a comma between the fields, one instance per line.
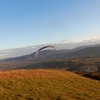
x=44, y=48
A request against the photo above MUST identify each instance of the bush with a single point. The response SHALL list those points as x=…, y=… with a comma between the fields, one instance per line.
x=93, y=75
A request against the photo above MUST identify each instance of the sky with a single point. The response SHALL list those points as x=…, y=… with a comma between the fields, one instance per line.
x=34, y=22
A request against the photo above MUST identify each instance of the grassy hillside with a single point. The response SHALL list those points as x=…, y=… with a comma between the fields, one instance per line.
x=47, y=85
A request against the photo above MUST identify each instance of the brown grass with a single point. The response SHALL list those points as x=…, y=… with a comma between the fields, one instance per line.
x=46, y=84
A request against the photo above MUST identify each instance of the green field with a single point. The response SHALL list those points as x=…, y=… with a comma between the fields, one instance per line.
x=43, y=84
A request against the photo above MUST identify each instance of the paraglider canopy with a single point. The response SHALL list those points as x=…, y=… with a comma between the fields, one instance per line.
x=44, y=48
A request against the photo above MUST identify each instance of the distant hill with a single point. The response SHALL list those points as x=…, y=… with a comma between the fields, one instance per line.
x=82, y=51
x=86, y=52
x=43, y=53
x=47, y=85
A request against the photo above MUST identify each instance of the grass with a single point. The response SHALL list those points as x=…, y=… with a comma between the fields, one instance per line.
x=42, y=84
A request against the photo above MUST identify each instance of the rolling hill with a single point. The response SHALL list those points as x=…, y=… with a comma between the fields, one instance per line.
x=47, y=85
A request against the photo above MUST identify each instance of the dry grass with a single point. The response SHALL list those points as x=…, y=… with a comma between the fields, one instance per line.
x=42, y=84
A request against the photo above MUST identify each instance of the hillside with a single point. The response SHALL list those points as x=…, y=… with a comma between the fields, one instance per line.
x=86, y=52
x=43, y=53
x=47, y=85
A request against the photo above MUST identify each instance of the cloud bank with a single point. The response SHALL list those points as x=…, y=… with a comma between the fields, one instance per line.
x=94, y=38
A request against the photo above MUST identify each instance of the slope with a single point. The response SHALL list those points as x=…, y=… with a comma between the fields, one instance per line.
x=47, y=85
x=86, y=52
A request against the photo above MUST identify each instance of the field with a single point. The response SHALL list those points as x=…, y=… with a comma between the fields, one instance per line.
x=46, y=84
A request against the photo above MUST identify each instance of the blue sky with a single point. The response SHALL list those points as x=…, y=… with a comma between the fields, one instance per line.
x=33, y=22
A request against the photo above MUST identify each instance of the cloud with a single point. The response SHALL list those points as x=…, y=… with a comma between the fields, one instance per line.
x=5, y=51
x=30, y=47
x=65, y=41
x=3, y=55
x=90, y=39
x=94, y=38
x=8, y=51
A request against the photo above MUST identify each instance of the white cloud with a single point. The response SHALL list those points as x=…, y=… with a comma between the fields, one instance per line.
x=90, y=39
x=3, y=55
x=8, y=51
x=5, y=51
x=30, y=47
x=65, y=41
x=94, y=38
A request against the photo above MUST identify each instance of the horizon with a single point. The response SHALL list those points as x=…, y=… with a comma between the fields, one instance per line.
x=17, y=52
